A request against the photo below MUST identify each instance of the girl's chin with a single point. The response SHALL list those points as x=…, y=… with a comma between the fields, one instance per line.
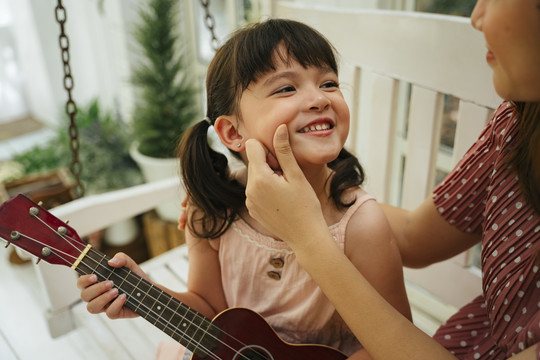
x=316, y=160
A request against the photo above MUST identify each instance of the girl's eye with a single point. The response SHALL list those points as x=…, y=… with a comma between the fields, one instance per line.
x=284, y=89
x=330, y=84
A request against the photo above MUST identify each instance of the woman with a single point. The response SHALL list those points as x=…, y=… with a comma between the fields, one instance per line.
x=497, y=182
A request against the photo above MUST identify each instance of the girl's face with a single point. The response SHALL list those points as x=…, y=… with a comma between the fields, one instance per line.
x=511, y=29
x=308, y=100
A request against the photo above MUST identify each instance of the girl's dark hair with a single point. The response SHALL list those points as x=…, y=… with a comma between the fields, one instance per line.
x=525, y=156
x=248, y=54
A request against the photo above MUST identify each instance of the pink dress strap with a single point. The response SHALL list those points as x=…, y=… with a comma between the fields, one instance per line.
x=339, y=228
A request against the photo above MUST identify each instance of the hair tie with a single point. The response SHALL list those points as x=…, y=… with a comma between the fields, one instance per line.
x=207, y=119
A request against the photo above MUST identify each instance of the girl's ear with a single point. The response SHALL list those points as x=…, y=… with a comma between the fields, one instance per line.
x=227, y=129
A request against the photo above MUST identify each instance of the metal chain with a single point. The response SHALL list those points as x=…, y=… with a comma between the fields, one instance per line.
x=210, y=24
x=71, y=108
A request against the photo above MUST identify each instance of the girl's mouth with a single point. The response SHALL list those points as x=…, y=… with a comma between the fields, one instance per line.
x=317, y=127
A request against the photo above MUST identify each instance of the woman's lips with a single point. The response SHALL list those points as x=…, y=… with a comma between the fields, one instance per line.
x=490, y=57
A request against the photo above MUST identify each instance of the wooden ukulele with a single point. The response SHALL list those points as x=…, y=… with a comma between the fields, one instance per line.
x=236, y=333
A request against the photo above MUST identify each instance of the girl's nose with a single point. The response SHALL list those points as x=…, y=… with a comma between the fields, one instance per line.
x=478, y=14
x=319, y=102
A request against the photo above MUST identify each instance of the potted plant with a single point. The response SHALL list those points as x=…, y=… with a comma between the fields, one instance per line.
x=104, y=142
x=167, y=100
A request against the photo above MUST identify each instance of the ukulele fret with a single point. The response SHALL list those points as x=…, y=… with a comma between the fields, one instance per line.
x=169, y=318
x=124, y=279
x=198, y=344
x=141, y=301
x=98, y=264
x=159, y=307
x=130, y=295
x=183, y=331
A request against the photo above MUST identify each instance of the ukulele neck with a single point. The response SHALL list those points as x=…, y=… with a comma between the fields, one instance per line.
x=183, y=324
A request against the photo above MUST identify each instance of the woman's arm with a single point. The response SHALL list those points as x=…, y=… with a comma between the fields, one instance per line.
x=424, y=237
x=286, y=205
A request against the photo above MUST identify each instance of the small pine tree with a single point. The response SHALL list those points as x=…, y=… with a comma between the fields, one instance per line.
x=166, y=104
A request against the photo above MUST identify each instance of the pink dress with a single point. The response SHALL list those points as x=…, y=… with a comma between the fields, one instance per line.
x=481, y=195
x=262, y=274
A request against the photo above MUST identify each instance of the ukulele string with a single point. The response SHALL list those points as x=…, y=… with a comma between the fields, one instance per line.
x=132, y=300
x=73, y=243
x=157, y=317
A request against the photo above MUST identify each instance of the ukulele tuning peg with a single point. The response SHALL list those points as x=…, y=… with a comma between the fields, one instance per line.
x=40, y=203
x=7, y=244
x=38, y=260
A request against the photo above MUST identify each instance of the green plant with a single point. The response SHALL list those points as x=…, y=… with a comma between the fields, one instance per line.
x=103, y=151
x=451, y=7
x=167, y=104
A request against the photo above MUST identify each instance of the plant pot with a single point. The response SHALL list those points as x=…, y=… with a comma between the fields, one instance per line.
x=121, y=233
x=154, y=169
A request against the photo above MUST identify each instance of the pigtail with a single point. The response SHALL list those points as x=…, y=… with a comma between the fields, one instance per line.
x=348, y=173
x=216, y=198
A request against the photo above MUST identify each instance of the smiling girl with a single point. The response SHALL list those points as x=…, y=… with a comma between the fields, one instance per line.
x=266, y=75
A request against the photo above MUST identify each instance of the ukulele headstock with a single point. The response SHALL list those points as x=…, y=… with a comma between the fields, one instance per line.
x=30, y=227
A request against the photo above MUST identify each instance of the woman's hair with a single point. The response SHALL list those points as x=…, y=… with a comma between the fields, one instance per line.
x=249, y=53
x=525, y=156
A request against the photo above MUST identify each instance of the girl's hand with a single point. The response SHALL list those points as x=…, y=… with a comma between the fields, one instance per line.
x=282, y=201
x=103, y=296
x=182, y=219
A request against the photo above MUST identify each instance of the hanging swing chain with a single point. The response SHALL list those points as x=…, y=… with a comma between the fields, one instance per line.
x=71, y=108
x=210, y=24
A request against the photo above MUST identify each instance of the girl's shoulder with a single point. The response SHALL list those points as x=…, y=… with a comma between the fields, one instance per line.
x=357, y=198
x=364, y=212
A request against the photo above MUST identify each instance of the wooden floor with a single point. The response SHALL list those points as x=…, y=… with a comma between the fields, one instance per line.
x=24, y=334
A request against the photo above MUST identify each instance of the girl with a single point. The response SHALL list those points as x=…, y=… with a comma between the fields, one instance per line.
x=497, y=183
x=273, y=73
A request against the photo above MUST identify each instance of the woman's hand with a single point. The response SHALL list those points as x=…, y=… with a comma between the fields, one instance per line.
x=282, y=201
x=103, y=296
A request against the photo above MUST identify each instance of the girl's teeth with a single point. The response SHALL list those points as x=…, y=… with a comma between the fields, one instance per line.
x=316, y=127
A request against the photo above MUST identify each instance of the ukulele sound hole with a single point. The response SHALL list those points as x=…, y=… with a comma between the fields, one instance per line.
x=253, y=352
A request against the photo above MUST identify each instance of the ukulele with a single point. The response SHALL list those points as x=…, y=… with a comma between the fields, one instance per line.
x=235, y=334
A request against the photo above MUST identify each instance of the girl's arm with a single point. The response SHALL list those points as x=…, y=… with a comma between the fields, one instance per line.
x=205, y=293
x=371, y=248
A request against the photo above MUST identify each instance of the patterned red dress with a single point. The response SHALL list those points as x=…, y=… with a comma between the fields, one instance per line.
x=481, y=195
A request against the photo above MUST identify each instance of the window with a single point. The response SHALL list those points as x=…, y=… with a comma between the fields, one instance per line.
x=12, y=103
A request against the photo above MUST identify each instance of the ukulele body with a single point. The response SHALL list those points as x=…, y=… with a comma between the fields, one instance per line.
x=245, y=335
